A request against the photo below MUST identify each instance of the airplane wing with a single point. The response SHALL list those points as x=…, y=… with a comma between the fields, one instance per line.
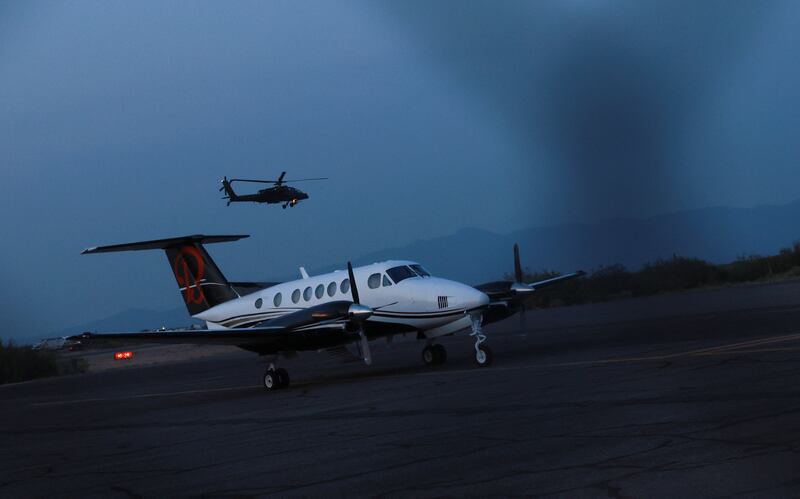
x=555, y=280
x=232, y=337
x=311, y=328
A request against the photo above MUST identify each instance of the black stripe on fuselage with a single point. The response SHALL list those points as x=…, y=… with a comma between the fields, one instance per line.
x=260, y=317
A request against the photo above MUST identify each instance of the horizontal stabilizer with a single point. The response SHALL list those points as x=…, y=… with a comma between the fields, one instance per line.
x=164, y=243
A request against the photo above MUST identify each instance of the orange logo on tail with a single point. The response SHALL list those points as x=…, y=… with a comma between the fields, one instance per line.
x=192, y=292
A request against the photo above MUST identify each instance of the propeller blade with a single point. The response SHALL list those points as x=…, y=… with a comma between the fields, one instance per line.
x=280, y=179
x=518, y=286
x=353, y=286
x=517, y=264
x=363, y=348
x=360, y=313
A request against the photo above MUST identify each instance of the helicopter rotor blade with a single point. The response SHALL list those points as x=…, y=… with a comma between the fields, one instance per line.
x=304, y=180
x=253, y=180
x=517, y=264
x=276, y=182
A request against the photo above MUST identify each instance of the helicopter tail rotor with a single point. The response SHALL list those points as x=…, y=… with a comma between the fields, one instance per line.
x=230, y=195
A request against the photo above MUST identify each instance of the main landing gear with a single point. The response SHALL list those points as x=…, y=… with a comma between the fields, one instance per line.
x=275, y=379
x=433, y=355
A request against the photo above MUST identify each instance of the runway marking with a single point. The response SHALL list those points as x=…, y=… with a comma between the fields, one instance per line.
x=716, y=350
x=729, y=349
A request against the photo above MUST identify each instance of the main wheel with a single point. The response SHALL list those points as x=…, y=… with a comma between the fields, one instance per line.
x=283, y=377
x=483, y=356
x=429, y=355
x=440, y=354
x=271, y=380
x=433, y=355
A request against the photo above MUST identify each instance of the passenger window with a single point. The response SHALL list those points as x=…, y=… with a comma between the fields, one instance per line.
x=277, y=300
x=345, y=286
x=320, y=291
x=331, y=289
x=374, y=281
x=259, y=302
x=296, y=296
x=307, y=293
x=386, y=281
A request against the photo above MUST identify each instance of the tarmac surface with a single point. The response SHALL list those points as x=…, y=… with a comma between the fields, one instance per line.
x=685, y=395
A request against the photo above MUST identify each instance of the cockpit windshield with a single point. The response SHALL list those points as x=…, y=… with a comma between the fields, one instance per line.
x=399, y=273
x=405, y=271
x=420, y=270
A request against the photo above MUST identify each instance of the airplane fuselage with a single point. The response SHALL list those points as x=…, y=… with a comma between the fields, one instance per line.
x=402, y=294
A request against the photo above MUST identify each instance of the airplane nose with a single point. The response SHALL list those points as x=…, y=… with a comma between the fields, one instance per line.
x=484, y=299
x=477, y=299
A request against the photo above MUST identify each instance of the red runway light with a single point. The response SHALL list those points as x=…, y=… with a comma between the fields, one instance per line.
x=123, y=355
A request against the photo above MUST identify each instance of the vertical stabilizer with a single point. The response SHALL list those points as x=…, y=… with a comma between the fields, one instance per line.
x=201, y=282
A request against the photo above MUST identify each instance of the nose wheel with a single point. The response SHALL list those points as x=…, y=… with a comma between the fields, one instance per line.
x=276, y=379
x=433, y=355
x=483, y=354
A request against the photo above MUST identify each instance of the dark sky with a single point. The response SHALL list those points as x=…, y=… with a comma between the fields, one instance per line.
x=117, y=120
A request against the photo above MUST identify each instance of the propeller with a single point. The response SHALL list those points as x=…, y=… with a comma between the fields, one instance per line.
x=359, y=313
x=519, y=287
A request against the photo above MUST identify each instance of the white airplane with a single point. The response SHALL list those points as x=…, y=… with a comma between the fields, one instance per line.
x=328, y=311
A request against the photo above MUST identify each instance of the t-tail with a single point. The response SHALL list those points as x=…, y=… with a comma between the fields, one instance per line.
x=229, y=194
x=201, y=282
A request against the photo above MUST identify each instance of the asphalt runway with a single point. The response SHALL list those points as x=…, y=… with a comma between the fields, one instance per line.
x=687, y=395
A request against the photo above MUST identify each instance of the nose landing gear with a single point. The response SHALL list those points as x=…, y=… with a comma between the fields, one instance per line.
x=483, y=354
